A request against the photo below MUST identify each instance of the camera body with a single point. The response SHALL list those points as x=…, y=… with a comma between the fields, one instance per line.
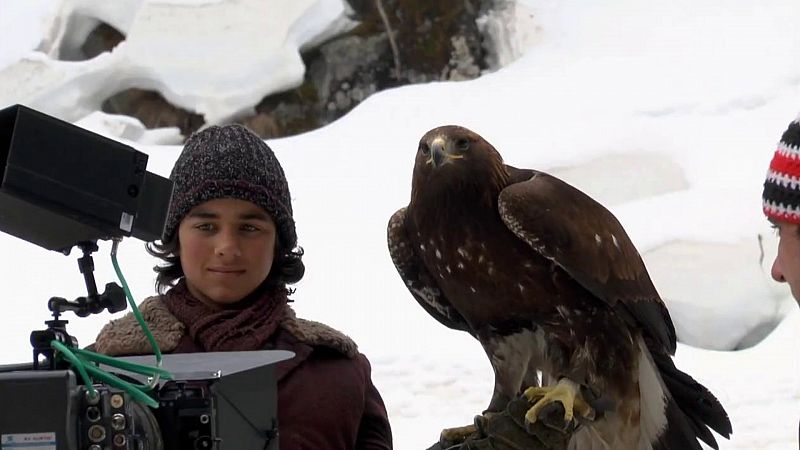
x=50, y=410
x=218, y=401
x=61, y=184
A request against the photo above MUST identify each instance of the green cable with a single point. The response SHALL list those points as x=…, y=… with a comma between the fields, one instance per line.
x=135, y=391
x=125, y=365
x=154, y=381
x=77, y=364
x=82, y=360
x=138, y=393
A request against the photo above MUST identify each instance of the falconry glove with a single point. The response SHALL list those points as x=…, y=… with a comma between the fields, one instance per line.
x=508, y=431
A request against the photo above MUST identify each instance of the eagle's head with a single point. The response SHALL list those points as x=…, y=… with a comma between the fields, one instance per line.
x=452, y=159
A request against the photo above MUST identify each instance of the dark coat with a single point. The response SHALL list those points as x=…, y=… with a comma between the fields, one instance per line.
x=326, y=398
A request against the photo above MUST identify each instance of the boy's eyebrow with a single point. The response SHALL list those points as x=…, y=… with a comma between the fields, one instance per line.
x=254, y=215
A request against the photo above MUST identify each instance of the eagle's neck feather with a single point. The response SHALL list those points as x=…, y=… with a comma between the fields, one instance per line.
x=453, y=205
x=462, y=196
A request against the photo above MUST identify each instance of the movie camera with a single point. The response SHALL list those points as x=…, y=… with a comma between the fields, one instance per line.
x=64, y=187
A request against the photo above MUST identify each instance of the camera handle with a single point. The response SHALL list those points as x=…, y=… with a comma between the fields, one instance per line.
x=113, y=299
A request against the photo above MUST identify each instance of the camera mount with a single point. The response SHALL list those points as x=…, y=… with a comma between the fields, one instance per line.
x=112, y=299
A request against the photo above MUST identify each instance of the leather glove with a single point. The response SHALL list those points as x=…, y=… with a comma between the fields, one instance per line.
x=508, y=431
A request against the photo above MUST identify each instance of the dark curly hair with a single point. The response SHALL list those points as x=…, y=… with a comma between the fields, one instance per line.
x=287, y=267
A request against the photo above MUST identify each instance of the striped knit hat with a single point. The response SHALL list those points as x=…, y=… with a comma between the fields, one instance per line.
x=781, y=198
x=230, y=161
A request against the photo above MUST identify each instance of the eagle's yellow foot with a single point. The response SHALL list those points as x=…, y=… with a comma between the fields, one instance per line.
x=456, y=435
x=566, y=392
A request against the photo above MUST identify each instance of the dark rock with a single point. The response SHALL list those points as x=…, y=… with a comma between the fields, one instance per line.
x=434, y=40
x=103, y=38
x=153, y=110
x=87, y=37
x=429, y=41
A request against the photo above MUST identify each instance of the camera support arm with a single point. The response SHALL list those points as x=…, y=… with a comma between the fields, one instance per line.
x=113, y=299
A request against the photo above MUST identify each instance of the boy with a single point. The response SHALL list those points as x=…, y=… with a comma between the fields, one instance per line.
x=230, y=250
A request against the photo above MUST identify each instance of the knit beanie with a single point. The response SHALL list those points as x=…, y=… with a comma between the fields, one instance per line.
x=781, y=198
x=230, y=161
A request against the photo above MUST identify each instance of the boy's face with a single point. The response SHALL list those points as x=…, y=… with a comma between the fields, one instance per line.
x=786, y=267
x=227, y=247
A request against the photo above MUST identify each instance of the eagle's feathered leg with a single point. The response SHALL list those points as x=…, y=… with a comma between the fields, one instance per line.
x=566, y=392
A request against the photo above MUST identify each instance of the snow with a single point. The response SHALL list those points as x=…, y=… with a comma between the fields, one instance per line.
x=267, y=35
x=667, y=113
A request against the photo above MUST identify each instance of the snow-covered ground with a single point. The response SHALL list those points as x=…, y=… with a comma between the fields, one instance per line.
x=666, y=112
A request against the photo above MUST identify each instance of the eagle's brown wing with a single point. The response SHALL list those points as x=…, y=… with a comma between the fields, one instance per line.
x=414, y=273
x=588, y=242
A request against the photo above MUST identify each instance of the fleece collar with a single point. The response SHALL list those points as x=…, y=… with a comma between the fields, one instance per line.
x=124, y=336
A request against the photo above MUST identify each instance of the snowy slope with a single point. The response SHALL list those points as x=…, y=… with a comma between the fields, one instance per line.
x=667, y=113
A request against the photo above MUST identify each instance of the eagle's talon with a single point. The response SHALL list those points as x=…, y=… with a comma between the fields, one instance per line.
x=480, y=423
x=566, y=392
x=456, y=435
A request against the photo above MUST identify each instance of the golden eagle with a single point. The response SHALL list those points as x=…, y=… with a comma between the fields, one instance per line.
x=548, y=281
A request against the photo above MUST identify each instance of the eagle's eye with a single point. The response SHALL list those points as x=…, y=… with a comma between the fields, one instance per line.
x=462, y=144
x=423, y=147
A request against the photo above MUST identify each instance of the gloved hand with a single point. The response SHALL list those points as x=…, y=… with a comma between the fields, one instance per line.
x=508, y=431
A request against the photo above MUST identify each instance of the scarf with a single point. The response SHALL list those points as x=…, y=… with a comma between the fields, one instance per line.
x=243, y=326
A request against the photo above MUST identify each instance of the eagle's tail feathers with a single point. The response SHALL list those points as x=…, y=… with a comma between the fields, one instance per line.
x=694, y=401
x=682, y=431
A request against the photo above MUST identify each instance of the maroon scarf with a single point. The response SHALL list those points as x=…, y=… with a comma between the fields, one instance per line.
x=243, y=326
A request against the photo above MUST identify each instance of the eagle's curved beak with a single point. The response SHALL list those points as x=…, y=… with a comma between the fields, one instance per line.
x=438, y=152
